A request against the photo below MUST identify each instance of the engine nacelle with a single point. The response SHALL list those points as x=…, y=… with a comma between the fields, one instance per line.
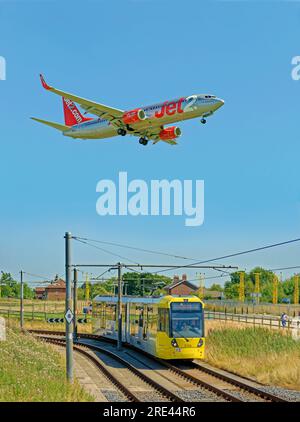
x=134, y=116
x=170, y=133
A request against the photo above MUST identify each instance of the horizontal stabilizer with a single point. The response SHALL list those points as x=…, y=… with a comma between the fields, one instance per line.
x=57, y=126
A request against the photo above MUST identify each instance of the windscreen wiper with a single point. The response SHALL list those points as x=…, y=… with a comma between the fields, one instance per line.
x=179, y=332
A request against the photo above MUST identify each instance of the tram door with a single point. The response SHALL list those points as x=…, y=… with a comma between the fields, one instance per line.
x=140, y=323
x=163, y=326
x=127, y=324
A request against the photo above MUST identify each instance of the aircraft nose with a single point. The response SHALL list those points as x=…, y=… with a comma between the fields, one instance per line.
x=220, y=102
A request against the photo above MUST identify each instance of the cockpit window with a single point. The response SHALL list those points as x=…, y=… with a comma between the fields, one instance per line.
x=186, y=320
x=210, y=96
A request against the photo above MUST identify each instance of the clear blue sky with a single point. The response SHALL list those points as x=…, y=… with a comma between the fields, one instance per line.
x=132, y=53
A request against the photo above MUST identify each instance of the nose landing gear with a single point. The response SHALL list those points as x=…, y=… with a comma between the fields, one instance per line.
x=121, y=132
x=203, y=121
x=143, y=141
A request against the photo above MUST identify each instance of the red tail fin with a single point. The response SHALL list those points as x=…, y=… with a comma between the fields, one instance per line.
x=72, y=114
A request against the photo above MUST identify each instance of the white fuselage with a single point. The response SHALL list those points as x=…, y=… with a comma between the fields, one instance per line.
x=157, y=115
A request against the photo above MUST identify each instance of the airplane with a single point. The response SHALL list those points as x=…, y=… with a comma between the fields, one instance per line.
x=147, y=123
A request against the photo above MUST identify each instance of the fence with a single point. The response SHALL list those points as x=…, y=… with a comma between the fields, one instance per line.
x=251, y=308
x=39, y=306
x=255, y=320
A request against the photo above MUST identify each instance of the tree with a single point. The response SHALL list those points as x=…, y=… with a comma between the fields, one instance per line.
x=266, y=283
x=11, y=288
x=216, y=287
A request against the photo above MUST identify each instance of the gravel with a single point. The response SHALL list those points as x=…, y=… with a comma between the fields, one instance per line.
x=151, y=397
x=114, y=396
x=198, y=396
x=290, y=395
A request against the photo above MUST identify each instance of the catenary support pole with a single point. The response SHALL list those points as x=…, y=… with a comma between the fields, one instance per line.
x=68, y=315
x=75, y=303
x=119, y=307
x=22, y=302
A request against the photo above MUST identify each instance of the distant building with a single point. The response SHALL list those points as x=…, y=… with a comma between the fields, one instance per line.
x=181, y=286
x=54, y=291
x=212, y=294
x=40, y=293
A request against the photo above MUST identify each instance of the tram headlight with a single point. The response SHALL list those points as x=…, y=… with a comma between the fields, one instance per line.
x=200, y=343
x=174, y=343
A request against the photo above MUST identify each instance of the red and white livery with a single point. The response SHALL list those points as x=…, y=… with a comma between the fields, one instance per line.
x=147, y=123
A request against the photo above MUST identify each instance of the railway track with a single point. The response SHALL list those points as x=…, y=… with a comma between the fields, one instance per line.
x=142, y=391
x=221, y=384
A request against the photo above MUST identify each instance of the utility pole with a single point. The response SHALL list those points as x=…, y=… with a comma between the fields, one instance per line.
x=296, y=290
x=275, y=289
x=201, y=289
x=242, y=287
x=257, y=287
x=22, y=302
x=87, y=287
x=75, y=303
x=119, y=307
x=69, y=315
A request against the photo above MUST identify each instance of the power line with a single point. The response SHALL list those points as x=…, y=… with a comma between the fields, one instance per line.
x=36, y=275
x=284, y=268
x=104, y=250
x=237, y=253
x=135, y=248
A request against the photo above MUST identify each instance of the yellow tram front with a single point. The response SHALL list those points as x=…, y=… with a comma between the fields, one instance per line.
x=180, y=330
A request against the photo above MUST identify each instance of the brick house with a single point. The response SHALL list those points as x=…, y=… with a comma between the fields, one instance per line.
x=54, y=291
x=39, y=292
x=181, y=287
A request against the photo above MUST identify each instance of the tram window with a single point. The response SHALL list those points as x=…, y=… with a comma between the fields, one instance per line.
x=141, y=318
x=102, y=315
x=163, y=320
x=111, y=312
x=132, y=320
x=186, y=320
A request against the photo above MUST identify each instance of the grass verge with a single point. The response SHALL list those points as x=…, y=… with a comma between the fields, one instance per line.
x=32, y=371
x=270, y=356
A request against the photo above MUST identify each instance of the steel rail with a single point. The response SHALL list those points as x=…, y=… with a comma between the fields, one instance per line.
x=162, y=390
x=224, y=377
x=219, y=392
x=238, y=383
x=132, y=397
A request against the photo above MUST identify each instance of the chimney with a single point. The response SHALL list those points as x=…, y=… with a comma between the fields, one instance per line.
x=175, y=278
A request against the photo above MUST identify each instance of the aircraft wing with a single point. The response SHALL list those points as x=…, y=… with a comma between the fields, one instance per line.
x=101, y=110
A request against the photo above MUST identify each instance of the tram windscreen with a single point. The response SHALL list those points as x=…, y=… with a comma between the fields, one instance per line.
x=186, y=320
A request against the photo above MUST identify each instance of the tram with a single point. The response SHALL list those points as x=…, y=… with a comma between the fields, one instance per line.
x=168, y=327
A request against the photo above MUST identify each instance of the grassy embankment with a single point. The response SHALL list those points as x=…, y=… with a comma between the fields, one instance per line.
x=43, y=325
x=271, y=357
x=33, y=371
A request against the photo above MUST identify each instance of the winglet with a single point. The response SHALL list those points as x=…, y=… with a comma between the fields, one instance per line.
x=45, y=85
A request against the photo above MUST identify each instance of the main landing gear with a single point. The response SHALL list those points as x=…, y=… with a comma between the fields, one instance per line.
x=203, y=121
x=143, y=141
x=121, y=132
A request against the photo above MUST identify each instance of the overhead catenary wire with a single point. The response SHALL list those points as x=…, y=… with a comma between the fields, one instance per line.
x=105, y=250
x=235, y=254
x=136, y=248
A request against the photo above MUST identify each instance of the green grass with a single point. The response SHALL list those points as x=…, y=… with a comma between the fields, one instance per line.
x=33, y=371
x=270, y=356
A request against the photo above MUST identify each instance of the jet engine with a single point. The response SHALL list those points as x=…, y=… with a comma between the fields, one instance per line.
x=134, y=116
x=170, y=133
